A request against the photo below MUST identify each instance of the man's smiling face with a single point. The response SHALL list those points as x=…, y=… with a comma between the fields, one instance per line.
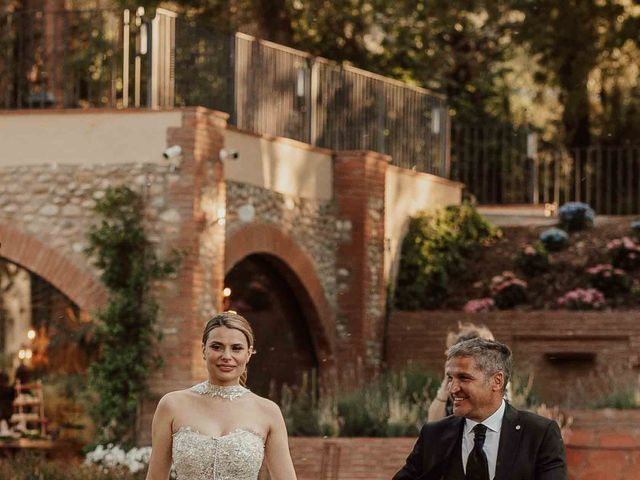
x=475, y=396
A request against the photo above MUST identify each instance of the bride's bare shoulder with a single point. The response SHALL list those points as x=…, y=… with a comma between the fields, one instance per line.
x=176, y=398
x=268, y=407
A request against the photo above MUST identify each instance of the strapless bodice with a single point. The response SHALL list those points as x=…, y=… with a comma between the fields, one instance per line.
x=235, y=456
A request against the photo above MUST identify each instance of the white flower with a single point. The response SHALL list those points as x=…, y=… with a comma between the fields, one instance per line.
x=114, y=456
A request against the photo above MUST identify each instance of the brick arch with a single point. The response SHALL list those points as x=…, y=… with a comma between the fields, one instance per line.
x=300, y=274
x=79, y=285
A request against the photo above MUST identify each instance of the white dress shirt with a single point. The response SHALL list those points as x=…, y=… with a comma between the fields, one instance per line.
x=493, y=424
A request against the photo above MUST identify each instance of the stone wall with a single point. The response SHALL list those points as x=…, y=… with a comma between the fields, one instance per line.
x=54, y=203
x=575, y=357
x=311, y=223
x=46, y=211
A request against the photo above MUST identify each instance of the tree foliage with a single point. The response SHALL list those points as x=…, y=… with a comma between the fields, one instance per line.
x=573, y=39
x=125, y=333
x=579, y=57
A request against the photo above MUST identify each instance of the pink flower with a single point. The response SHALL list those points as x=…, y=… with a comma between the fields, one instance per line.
x=479, y=305
x=582, y=299
x=602, y=267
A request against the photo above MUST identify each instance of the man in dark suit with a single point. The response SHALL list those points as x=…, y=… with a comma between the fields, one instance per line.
x=485, y=438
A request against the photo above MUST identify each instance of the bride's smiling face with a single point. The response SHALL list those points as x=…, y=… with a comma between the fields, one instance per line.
x=226, y=353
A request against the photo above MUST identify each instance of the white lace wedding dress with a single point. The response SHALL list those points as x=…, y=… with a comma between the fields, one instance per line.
x=235, y=456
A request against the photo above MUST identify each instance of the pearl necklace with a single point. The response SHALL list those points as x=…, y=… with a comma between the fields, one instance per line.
x=230, y=392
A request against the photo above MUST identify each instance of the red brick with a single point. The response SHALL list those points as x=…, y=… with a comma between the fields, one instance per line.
x=618, y=440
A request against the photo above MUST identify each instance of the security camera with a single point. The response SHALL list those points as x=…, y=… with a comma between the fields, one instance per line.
x=172, y=152
x=229, y=154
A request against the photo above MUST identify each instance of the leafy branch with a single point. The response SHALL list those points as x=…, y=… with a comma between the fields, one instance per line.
x=126, y=329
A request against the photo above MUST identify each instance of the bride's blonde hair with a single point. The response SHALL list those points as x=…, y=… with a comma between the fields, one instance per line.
x=231, y=319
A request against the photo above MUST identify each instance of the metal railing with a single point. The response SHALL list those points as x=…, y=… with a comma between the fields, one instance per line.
x=107, y=59
x=492, y=161
x=500, y=164
x=605, y=177
x=272, y=89
x=64, y=59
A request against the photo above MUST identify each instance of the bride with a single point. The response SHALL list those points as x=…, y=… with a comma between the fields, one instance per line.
x=218, y=429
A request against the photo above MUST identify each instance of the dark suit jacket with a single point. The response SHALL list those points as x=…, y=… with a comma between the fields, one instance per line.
x=530, y=448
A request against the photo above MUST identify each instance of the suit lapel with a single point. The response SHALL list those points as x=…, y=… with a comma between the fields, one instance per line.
x=450, y=438
x=437, y=460
x=510, y=436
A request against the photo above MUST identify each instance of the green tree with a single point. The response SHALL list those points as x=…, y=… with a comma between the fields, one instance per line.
x=457, y=48
x=572, y=38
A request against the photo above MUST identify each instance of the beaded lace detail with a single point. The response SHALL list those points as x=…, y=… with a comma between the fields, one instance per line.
x=229, y=393
x=235, y=456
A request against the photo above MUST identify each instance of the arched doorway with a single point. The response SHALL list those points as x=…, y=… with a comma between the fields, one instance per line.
x=266, y=292
x=45, y=344
x=41, y=328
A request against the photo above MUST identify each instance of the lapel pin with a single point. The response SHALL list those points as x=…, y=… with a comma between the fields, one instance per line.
x=517, y=427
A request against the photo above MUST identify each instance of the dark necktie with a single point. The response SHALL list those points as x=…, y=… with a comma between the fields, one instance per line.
x=477, y=465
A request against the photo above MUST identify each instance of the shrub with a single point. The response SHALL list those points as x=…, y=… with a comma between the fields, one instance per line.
x=624, y=253
x=306, y=412
x=433, y=249
x=583, y=299
x=554, y=239
x=478, y=305
x=364, y=412
x=533, y=259
x=34, y=466
x=508, y=290
x=608, y=279
x=622, y=397
x=392, y=405
x=396, y=404
x=576, y=216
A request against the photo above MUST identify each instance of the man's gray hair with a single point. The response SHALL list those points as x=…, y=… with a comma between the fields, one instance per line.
x=490, y=356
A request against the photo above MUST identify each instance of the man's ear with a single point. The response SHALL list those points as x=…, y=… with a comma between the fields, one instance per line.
x=497, y=382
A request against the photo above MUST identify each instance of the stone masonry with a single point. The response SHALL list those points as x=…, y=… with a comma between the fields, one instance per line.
x=335, y=247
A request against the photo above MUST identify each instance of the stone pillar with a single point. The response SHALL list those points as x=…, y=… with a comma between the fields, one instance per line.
x=359, y=190
x=197, y=196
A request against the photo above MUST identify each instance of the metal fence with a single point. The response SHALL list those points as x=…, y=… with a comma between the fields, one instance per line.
x=75, y=59
x=500, y=164
x=491, y=160
x=62, y=59
x=606, y=177
x=272, y=89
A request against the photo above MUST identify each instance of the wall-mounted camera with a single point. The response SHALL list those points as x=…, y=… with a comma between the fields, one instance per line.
x=172, y=152
x=229, y=154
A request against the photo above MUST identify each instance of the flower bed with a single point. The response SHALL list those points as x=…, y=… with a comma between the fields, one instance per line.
x=566, y=269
